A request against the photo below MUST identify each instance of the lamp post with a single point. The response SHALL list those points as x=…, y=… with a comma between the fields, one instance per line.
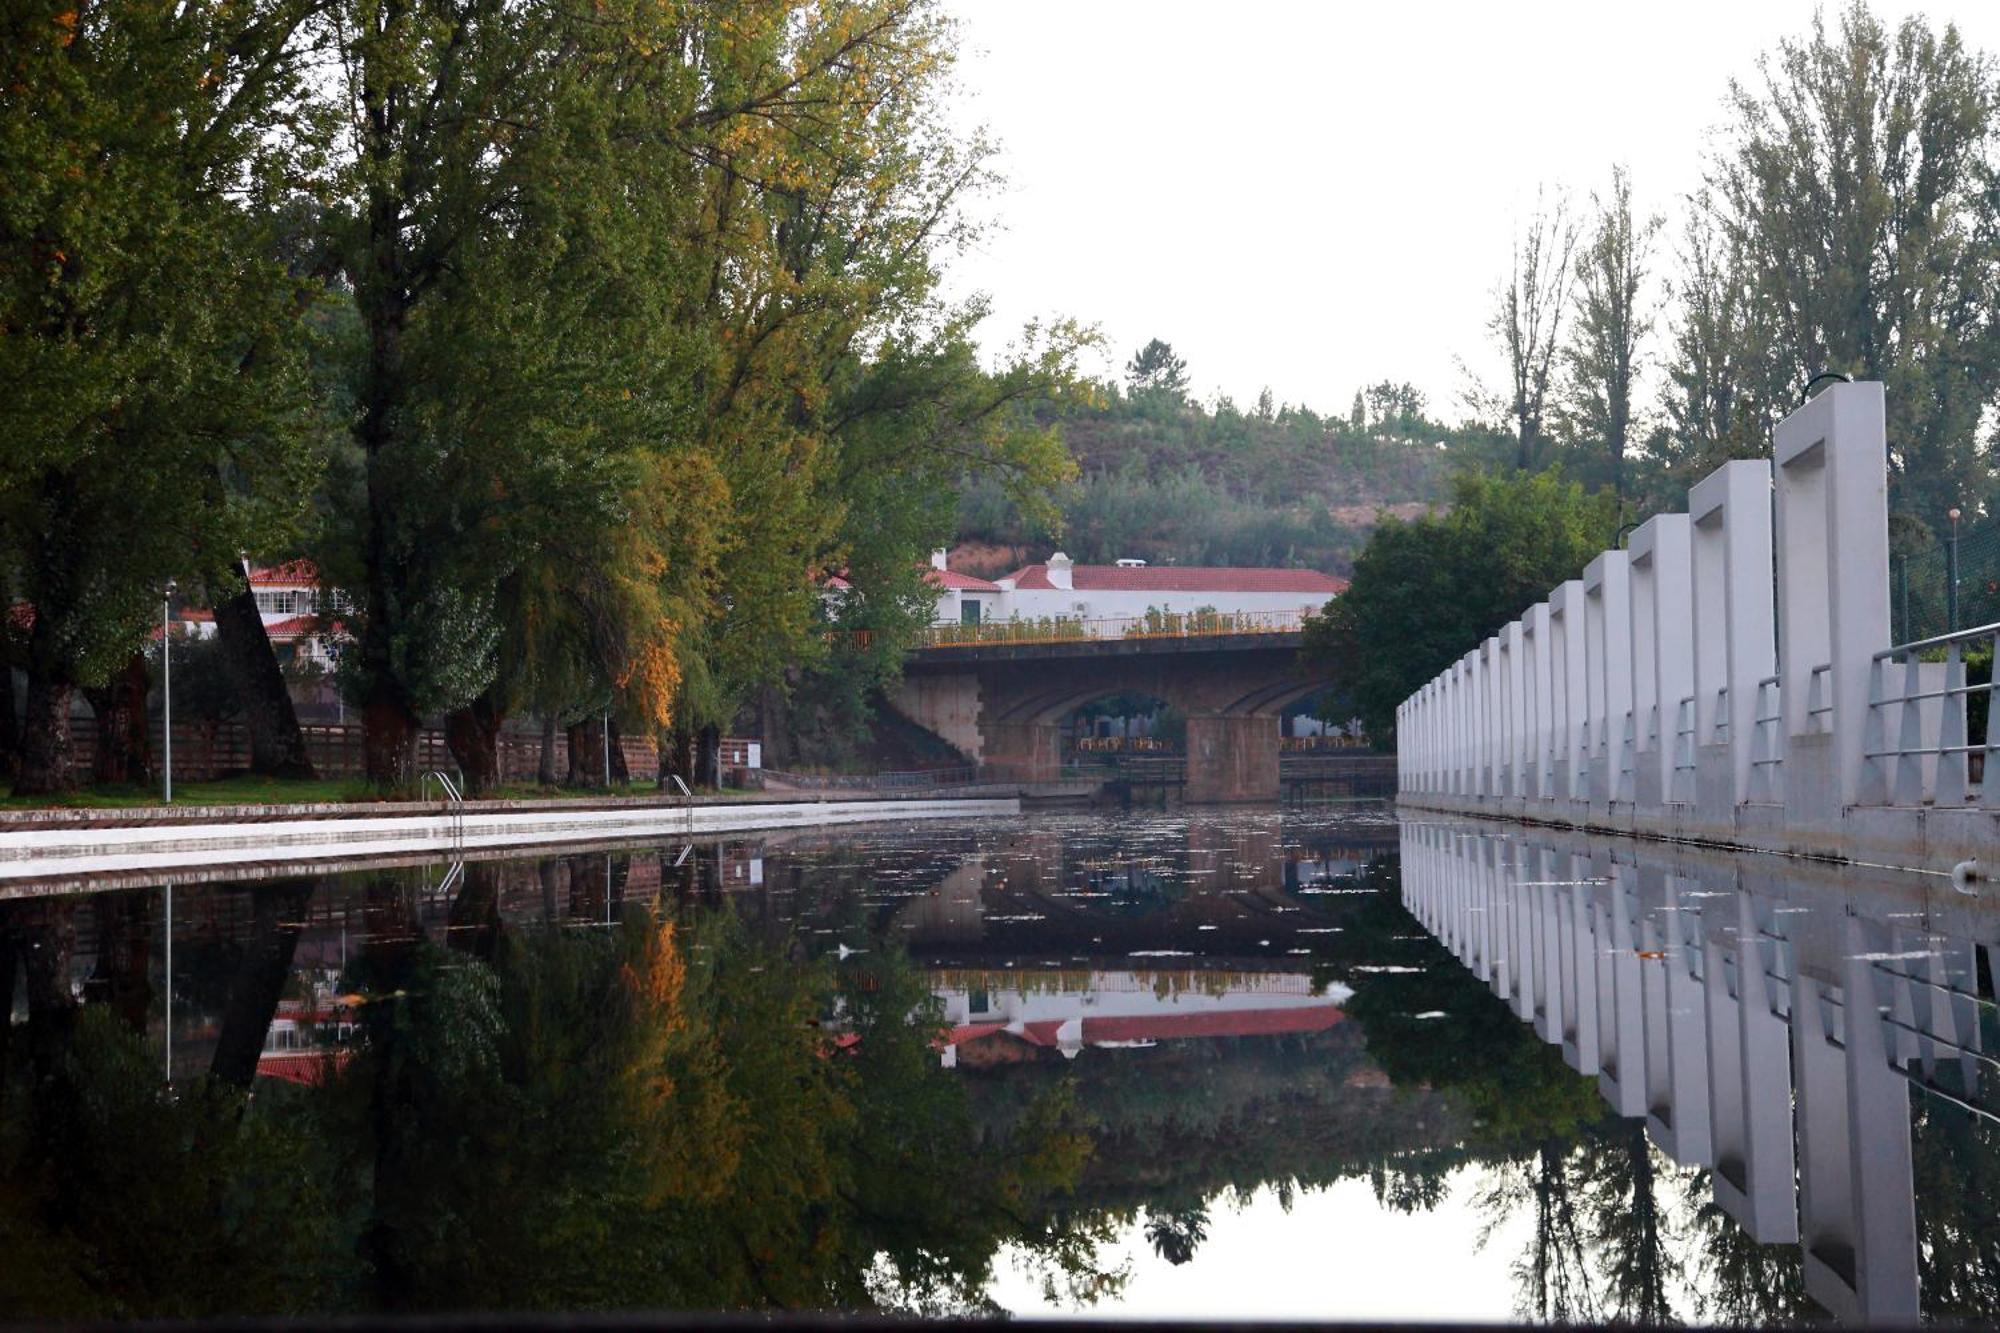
x=1951, y=575
x=167, y=689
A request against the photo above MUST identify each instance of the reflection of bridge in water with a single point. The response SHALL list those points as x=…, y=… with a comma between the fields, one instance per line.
x=1767, y=1017
x=1221, y=890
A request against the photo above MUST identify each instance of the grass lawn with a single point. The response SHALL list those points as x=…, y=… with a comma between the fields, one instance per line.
x=282, y=791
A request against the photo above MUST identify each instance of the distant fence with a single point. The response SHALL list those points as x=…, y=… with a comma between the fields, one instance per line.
x=205, y=751
x=1920, y=602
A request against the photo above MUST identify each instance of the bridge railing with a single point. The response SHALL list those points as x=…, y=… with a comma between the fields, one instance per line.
x=1152, y=625
x=1752, y=635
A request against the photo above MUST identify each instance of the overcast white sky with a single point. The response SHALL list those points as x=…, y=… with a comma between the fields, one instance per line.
x=1312, y=196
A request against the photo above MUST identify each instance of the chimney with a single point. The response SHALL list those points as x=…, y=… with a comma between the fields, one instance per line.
x=1059, y=575
x=938, y=558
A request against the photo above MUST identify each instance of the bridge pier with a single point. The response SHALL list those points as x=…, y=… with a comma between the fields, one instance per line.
x=1231, y=758
x=1025, y=751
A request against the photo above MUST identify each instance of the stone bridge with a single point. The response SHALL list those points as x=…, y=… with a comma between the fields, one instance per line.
x=1003, y=704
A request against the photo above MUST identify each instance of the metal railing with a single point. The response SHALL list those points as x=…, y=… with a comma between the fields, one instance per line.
x=1767, y=744
x=1626, y=775
x=1153, y=625
x=1681, y=789
x=1919, y=690
x=911, y=779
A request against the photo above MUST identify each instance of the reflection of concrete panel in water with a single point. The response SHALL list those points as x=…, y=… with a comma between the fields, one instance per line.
x=1750, y=1074
x=1680, y=1114
x=1856, y=1203
x=1542, y=898
x=1582, y=1047
x=953, y=911
x=1620, y=1013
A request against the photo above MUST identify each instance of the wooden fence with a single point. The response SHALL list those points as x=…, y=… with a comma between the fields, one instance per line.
x=203, y=752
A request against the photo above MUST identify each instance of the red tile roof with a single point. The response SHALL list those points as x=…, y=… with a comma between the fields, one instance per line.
x=951, y=578
x=1185, y=578
x=294, y=627
x=291, y=574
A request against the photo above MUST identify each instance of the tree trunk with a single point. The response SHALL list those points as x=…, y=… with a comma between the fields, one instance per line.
x=587, y=900
x=546, y=874
x=708, y=756
x=8, y=971
x=277, y=746
x=780, y=749
x=45, y=736
x=46, y=949
x=473, y=923
x=124, y=750
x=277, y=916
x=122, y=977
x=586, y=754
x=545, y=769
x=10, y=719
x=621, y=771
x=473, y=733
x=388, y=743
x=676, y=757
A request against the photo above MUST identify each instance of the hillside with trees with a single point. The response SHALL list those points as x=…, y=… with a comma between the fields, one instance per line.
x=1164, y=477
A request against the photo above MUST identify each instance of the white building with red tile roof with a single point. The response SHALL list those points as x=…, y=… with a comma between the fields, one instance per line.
x=289, y=602
x=1059, y=589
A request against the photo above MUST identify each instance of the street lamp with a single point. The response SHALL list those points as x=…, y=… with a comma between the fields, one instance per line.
x=167, y=689
x=1951, y=575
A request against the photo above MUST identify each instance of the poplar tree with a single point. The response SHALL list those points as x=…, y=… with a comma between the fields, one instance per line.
x=154, y=390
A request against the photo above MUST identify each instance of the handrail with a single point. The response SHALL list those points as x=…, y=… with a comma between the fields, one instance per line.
x=1940, y=641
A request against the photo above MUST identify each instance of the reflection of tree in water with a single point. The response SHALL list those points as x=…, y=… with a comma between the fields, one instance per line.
x=1956, y=1163
x=1601, y=1245
x=660, y=1114
x=1176, y=1235
x=1740, y=1280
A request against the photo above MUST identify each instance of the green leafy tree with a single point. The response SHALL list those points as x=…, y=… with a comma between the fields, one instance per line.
x=1425, y=592
x=1155, y=369
x=1610, y=323
x=1856, y=187
x=156, y=395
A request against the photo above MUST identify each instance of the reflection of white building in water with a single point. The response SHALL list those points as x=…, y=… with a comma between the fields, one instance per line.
x=1024, y=1013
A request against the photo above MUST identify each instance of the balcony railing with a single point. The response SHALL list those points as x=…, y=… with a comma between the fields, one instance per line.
x=1153, y=625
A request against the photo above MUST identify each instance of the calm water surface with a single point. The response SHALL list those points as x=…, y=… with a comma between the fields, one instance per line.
x=1311, y=1063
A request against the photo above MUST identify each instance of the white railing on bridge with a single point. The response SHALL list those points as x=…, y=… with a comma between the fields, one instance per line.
x=1152, y=625
x=1677, y=686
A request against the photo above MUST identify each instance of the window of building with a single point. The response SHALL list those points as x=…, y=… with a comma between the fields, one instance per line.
x=968, y=611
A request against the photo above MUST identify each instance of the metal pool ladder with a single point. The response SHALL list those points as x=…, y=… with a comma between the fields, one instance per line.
x=455, y=797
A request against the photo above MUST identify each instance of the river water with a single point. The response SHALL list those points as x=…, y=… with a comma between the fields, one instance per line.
x=1314, y=1063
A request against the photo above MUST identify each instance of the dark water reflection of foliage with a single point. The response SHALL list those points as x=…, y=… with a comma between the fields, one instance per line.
x=655, y=1116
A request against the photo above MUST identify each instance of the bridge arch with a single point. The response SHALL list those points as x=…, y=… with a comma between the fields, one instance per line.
x=1004, y=704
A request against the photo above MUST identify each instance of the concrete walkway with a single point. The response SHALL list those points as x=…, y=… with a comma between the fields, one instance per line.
x=44, y=844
